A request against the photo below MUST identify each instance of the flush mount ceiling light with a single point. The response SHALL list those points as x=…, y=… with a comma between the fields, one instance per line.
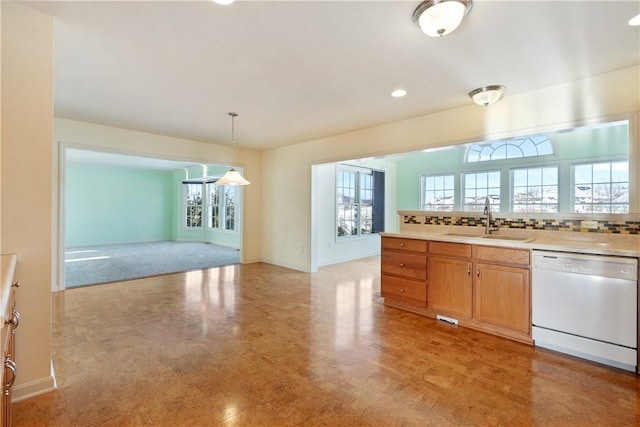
x=232, y=177
x=398, y=93
x=635, y=21
x=487, y=95
x=439, y=17
x=223, y=2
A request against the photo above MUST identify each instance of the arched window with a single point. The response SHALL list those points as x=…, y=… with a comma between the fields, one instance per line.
x=529, y=146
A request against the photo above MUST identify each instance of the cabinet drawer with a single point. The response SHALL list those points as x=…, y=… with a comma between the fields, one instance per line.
x=503, y=255
x=451, y=249
x=413, y=245
x=407, y=265
x=404, y=290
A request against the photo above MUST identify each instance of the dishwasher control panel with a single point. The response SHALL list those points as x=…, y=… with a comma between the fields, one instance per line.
x=593, y=265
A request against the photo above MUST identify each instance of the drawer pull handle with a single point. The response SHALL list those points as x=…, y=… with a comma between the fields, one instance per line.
x=11, y=366
x=478, y=271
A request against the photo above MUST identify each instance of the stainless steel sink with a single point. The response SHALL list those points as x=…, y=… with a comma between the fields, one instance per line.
x=463, y=235
x=490, y=237
x=514, y=238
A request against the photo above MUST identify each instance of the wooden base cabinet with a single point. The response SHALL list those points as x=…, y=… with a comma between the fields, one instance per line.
x=482, y=287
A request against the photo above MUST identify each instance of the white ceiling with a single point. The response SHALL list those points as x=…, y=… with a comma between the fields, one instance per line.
x=301, y=70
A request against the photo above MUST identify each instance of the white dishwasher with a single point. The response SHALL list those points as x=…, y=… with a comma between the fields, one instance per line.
x=587, y=306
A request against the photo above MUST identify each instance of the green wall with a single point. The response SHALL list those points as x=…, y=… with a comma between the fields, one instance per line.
x=108, y=204
x=574, y=145
x=413, y=165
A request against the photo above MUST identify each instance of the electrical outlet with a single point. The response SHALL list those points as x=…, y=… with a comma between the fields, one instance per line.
x=589, y=225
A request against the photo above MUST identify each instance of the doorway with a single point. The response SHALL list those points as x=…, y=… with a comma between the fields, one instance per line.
x=121, y=217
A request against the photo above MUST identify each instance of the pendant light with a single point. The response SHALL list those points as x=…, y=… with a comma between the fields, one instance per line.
x=232, y=177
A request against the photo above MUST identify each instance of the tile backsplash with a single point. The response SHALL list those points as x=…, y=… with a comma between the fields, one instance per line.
x=625, y=225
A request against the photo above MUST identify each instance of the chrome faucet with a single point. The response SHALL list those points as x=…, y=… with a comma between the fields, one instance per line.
x=487, y=212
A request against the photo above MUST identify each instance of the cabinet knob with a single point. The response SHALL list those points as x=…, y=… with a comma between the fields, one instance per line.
x=401, y=290
x=401, y=265
x=402, y=245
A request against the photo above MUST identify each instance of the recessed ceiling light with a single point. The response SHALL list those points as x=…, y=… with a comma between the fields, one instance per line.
x=223, y=2
x=635, y=21
x=398, y=93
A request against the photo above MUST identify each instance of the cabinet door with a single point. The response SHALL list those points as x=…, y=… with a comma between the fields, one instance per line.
x=449, y=288
x=503, y=296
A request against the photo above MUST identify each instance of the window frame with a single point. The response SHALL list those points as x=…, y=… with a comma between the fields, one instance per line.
x=356, y=204
x=207, y=207
x=565, y=173
x=221, y=207
x=186, y=205
x=423, y=191
x=573, y=185
x=479, y=206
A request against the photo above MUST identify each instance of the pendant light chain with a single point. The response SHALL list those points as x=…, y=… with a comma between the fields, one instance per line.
x=233, y=131
x=232, y=176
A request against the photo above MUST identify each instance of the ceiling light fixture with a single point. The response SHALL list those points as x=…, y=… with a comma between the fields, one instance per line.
x=487, y=95
x=223, y=2
x=232, y=177
x=440, y=17
x=635, y=21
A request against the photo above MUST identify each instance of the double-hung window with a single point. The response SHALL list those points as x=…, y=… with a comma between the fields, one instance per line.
x=210, y=204
x=359, y=202
x=229, y=207
x=221, y=206
x=193, y=199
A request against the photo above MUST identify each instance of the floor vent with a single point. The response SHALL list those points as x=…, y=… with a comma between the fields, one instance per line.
x=449, y=320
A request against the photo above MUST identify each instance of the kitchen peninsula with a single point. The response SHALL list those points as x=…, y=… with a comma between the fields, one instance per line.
x=451, y=268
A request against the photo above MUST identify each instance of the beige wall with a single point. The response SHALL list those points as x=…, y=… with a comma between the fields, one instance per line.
x=27, y=125
x=287, y=209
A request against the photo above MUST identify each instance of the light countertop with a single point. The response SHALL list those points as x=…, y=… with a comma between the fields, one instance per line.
x=565, y=241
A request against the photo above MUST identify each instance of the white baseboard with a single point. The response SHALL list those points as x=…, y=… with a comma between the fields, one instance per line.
x=325, y=263
x=34, y=388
